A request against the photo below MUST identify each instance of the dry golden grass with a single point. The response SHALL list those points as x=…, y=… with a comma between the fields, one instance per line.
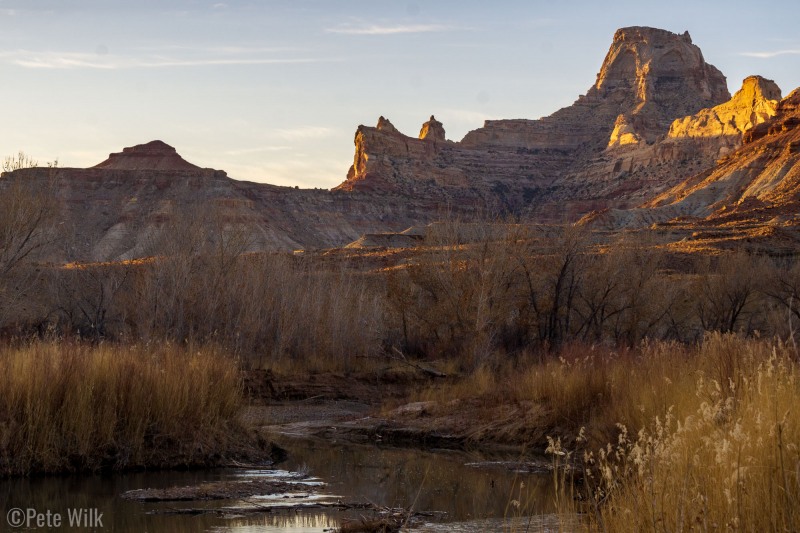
x=67, y=407
x=672, y=437
x=726, y=460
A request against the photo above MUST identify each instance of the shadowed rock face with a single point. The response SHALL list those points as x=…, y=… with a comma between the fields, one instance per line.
x=119, y=209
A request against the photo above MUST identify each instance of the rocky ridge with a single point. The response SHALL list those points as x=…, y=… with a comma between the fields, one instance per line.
x=153, y=156
x=758, y=182
x=119, y=209
x=656, y=114
x=627, y=175
x=649, y=77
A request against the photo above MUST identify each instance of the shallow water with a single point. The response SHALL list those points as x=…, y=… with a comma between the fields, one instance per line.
x=425, y=480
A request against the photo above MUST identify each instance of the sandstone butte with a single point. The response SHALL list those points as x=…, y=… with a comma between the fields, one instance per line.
x=641, y=145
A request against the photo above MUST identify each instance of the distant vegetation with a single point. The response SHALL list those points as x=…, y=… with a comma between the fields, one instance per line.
x=472, y=292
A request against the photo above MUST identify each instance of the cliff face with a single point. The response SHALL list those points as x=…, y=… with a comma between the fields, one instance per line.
x=754, y=103
x=649, y=78
x=118, y=209
x=628, y=174
x=656, y=114
x=758, y=182
x=655, y=76
x=762, y=175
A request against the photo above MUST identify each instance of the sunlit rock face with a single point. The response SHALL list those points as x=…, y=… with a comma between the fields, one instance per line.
x=624, y=133
x=631, y=170
x=658, y=76
x=432, y=130
x=649, y=78
x=754, y=103
x=759, y=182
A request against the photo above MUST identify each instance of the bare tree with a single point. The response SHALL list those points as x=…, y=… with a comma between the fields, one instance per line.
x=28, y=210
x=553, y=270
x=728, y=292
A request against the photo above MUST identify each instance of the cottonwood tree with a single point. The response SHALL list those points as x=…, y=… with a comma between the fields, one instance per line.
x=782, y=286
x=28, y=210
x=87, y=298
x=459, y=297
x=728, y=291
x=553, y=270
x=180, y=286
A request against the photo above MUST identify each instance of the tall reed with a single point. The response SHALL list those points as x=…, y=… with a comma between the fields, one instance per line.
x=68, y=407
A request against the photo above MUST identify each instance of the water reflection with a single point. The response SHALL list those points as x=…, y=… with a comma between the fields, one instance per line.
x=306, y=522
x=426, y=481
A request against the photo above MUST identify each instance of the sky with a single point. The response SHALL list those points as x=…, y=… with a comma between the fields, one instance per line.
x=273, y=90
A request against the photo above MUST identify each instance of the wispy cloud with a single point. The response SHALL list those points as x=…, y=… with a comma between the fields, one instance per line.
x=73, y=60
x=304, y=132
x=774, y=53
x=375, y=29
x=211, y=50
x=258, y=150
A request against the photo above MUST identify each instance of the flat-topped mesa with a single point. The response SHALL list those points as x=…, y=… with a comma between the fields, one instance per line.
x=754, y=103
x=155, y=155
x=432, y=130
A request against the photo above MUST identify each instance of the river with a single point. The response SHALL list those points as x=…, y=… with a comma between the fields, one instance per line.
x=466, y=492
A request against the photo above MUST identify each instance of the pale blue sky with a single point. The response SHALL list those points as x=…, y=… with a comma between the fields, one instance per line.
x=273, y=90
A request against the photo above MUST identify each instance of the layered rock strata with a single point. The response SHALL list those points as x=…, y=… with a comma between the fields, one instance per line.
x=629, y=174
x=649, y=78
x=758, y=182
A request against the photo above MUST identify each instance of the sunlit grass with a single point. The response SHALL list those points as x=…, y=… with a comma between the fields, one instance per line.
x=726, y=460
x=66, y=407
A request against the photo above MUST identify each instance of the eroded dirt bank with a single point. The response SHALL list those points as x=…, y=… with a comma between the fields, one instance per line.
x=383, y=407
